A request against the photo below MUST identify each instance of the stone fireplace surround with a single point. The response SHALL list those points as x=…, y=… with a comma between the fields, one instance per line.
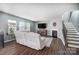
x=43, y=32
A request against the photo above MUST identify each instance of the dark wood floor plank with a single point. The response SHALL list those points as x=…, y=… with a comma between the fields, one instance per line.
x=56, y=48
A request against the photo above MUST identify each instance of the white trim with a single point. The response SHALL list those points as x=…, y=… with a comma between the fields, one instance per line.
x=12, y=21
x=8, y=40
x=74, y=46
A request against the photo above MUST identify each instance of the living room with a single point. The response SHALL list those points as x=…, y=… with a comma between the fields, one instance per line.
x=24, y=24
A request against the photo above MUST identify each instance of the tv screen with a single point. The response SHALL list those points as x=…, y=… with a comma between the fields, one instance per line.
x=42, y=25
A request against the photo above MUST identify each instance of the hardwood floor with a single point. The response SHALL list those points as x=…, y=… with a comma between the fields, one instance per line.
x=56, y=48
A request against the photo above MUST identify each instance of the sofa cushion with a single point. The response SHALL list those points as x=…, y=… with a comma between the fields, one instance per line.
x=43, y=38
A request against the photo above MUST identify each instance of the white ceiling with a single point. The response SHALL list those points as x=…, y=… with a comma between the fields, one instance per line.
x=38, y=11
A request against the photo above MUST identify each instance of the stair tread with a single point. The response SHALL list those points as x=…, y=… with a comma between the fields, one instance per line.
x=73, y=35
x=72, y=32
x=73, y=38
x=69, y=26
x=72, y=45
x=71, y=29
x=68, y=23
x=75, y=42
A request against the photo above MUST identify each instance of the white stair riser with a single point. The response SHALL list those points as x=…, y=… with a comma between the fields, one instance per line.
x=73, y=39
x=72, y=35
x=74, y=42
x=75, y=46
x=72, y=31
x=69, y=26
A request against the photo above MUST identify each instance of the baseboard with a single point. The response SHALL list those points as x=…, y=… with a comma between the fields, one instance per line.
x=8, y=40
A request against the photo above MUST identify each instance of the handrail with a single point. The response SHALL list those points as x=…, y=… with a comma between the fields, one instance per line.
x=64, y=30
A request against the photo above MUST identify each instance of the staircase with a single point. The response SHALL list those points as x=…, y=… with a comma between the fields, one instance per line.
x=72, y=35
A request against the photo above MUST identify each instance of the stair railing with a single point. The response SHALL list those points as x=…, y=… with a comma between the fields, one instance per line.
x=64, y=30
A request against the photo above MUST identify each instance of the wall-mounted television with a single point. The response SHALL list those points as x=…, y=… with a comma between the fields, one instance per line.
x=42, y=25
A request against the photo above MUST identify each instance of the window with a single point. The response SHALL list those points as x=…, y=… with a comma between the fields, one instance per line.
x=24, y=26
x=11, y=26
x=27, y=26
x=21, y=26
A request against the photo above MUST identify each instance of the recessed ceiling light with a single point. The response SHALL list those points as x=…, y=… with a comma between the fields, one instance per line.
x=41, y=17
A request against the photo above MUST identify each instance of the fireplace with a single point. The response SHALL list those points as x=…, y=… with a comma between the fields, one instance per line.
x=54, y=33
x=42, y=32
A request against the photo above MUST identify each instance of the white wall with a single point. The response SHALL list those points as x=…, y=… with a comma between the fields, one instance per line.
x=58, y=27
x=63, y=14
x=50, y=27
x=75, y=19
x=42, y=12
x=38, y=12
x=4, y=17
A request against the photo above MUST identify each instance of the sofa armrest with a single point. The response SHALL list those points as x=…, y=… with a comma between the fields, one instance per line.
x=43, y=38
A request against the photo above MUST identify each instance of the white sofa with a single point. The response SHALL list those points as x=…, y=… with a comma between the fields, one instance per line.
x=30, y=39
